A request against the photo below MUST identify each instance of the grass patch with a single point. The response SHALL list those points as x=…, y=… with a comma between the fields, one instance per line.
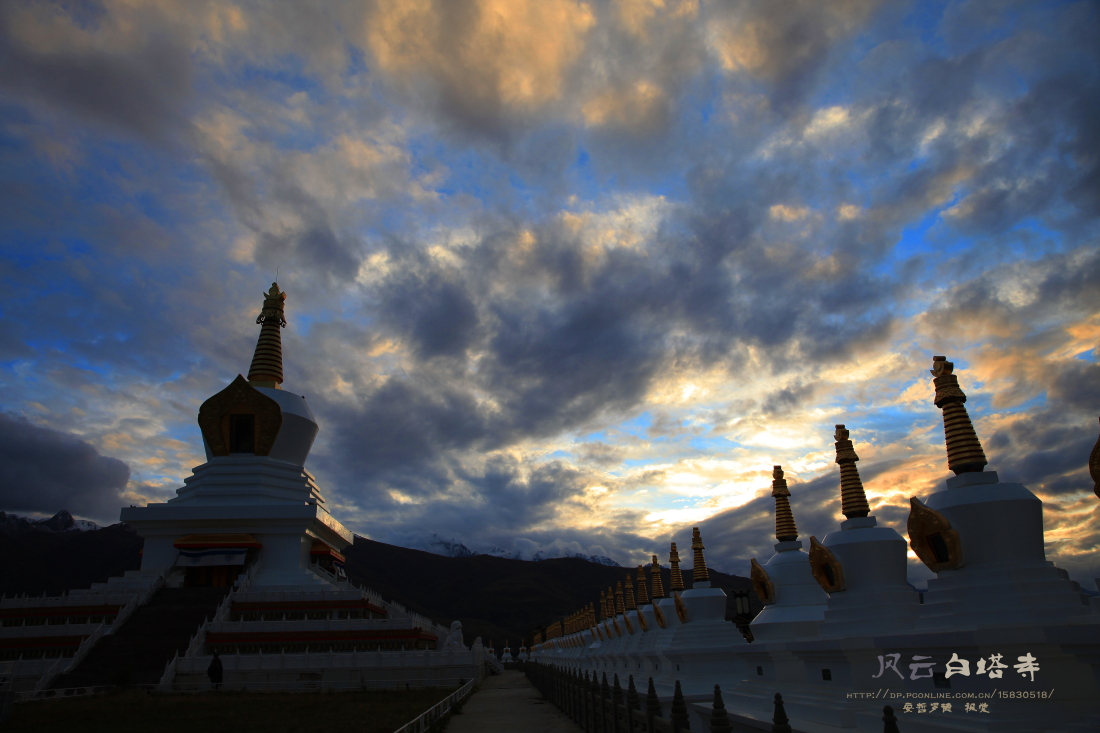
x=368, y=711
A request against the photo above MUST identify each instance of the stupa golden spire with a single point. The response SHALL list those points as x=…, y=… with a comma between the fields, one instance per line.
x=964, y=450
x=676, y=581
x=603, y=604
x=655, y=579
x=619, y=606
x=784, y=518
x=628, y=595
x=853, y=500
x=643, y=594
x=267, y=362
x=699, y=573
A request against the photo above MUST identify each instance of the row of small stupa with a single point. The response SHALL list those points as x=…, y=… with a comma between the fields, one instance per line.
x=854, y=582
x=620, y=599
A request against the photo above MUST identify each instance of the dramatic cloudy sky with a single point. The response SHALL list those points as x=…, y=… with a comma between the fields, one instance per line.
x=563, y=276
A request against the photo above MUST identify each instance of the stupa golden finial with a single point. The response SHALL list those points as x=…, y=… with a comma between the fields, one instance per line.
x=784, y=518
x=853, y=500
x=643, y=593
x=620, y=607
x=267, y=361
x=628, y=595
x=676, y=581
x=655, y=579
x=603, y=604
x=699, y=573
x=964, y=450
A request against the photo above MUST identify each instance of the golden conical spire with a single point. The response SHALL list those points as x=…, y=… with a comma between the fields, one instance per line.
x=676, y=580
x=853, y=501
x=619, y=606
x=628, y=595
x=643, y=594
x=267, y=362
x=603, y=604
x=784, y=518
x=655, y=579
x=964, y=450
x=610, y=602
x=699, y=574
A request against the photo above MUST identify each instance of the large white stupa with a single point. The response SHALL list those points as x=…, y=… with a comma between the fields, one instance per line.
x=253, y=496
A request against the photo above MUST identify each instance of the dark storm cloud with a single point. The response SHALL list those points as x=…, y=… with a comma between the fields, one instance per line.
x=785, y=399
x=434, y=313
x=599, y=453
x=786, y=44
x=592, y=350
x=1050, y=449
x=143, y=90
x=1031, y=147
x=43, y=470
x=314, y=247
x=1046, y=450
x=502, y=503
x=1059, y=283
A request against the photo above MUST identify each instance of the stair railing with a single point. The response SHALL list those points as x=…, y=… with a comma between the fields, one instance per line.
x=169, y=676
x=328, y=577
x=140, y=598
x=48, y=676
x=438, y=711
x=68, y=664
x=86, y=646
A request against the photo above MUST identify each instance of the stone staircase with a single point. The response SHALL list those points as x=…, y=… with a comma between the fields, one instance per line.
x=137, y=653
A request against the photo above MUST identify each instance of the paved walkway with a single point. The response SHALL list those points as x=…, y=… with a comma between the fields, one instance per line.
x=508, y=703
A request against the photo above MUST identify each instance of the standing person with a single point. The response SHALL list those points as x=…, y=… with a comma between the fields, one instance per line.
x=214, y=671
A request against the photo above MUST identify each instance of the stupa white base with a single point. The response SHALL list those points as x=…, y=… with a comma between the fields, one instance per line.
x=800, y=603
x=1005, y=578
x=286, y=533
x=877, y=598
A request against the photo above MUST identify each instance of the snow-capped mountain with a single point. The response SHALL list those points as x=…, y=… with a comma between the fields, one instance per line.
x=449, y=548
x=12, y=524
x=455, y=548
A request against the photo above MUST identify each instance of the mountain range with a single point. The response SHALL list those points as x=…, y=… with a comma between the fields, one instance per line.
x=496, y=598
x=456, y=548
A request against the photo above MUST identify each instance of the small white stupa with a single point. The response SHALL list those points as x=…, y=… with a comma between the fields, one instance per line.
x=253, y=495
x=863, y=566
x=983, y=538
x=671, y=608
x=794, y=601
x=705, y=630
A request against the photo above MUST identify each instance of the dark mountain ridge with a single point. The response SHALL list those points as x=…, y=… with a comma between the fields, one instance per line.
x=495, y=598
